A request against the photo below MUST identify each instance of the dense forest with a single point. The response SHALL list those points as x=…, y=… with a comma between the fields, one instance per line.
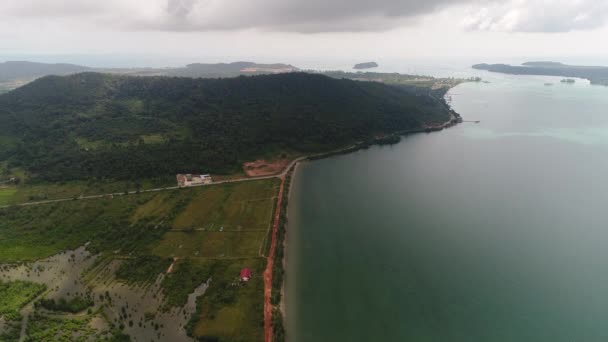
x=99, y=126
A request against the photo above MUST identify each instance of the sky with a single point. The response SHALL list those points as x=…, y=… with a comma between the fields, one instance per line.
x=265, y=30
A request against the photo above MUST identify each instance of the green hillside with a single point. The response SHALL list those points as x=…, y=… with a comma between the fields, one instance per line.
x=98, y=126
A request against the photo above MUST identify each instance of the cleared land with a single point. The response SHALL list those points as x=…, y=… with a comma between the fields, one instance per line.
x=265, y=168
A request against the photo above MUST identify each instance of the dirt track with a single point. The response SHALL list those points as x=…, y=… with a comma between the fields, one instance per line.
x=269, y=266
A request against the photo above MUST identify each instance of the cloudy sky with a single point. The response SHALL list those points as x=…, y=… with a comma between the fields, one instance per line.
x=250, y=29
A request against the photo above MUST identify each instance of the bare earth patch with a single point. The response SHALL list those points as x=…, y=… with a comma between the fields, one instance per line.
x=260, y=167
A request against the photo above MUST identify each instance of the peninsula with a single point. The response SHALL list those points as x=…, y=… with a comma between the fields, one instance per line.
x=88, y=166
x=595, y=74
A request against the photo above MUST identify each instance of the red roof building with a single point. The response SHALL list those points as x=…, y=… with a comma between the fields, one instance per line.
x=245, y=274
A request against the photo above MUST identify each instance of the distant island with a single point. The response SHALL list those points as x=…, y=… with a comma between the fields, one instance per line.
x=366, y=65
x=230, y=69
x=14, y=74
x=568, y=80
x=595, y=74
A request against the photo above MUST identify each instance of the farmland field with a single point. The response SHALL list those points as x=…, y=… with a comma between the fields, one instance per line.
x=207, y=234
x=237, y=206
x=233, y=312
x=232, y=244
x=6, y=195
x=48, y=191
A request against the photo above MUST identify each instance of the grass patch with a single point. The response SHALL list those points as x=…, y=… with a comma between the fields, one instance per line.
x=130, y=223
x=231, y=310
x=32, y=192
x=15, y=295
x=153, y=139
x=164, y=206
x=35, y=232
x=210, y=244
x=7, y=194
x=238, y=206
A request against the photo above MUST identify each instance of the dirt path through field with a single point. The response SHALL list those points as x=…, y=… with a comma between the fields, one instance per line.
x=269, y=266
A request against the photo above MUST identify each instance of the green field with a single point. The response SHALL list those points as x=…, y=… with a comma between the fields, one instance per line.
x=236, y=206
x=6, y=195
x=211, y=244
x=136, y=222
x=47, y=191
x=15, y=295
x=39, y=231
x=229, y=310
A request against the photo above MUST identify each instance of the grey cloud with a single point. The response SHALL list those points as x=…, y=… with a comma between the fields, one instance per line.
x=180, y=8
x=292, y=15
x=56, y=9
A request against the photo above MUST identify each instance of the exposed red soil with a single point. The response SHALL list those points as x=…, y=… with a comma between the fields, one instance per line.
x=269, y=266
x=260, y=167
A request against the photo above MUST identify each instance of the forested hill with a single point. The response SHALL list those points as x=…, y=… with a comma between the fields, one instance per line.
x=98, y=126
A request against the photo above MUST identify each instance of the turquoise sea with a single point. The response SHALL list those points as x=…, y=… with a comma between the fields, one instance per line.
x=496, y=231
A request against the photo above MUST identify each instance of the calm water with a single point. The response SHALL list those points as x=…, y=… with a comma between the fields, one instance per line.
x=489, y=232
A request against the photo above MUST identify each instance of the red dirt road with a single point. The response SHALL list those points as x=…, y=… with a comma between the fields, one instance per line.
x=269, y=265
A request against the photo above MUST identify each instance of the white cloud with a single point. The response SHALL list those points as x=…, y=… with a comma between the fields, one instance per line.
x=538, y=15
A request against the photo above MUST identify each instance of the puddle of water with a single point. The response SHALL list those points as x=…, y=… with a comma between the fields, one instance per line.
x=63, y=275
x=129, y=305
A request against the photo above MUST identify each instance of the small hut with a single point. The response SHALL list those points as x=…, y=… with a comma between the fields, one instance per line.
x=245, y=274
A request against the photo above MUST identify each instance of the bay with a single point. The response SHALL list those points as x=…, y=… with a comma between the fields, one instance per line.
x=483, y=232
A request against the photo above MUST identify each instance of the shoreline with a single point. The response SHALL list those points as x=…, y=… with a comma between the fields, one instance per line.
x=390, y=139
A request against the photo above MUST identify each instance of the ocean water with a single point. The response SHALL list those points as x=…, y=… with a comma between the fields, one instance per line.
x=496, y=231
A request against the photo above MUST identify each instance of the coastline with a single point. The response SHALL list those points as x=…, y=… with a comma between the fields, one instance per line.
x=390, y=139
x=280, y=308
